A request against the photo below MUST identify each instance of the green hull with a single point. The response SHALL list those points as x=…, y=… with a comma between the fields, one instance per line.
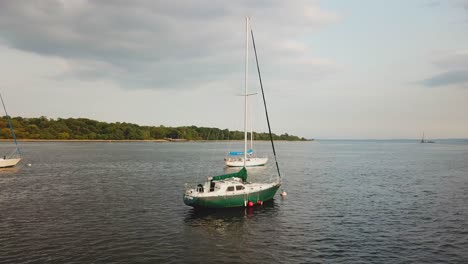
x=229, y=201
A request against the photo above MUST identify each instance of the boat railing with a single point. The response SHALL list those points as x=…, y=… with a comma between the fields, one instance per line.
x=12, y=155
x=190, y=186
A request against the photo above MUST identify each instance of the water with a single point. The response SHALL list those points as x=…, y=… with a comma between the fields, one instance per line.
x=349, y=201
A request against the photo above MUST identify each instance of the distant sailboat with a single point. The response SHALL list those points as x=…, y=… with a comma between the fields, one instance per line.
x=236, y=158
x=426, y=141
x=15, y=157
x=250, y=161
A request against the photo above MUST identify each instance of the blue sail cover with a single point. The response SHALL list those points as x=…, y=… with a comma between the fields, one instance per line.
x=238, y=153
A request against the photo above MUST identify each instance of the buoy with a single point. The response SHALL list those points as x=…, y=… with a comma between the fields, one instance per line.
x=259, y=202
x=29, y=164
x=250, y=204
x=283, y=194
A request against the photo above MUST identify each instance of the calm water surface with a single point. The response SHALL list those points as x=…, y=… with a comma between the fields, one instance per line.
x=349, y=201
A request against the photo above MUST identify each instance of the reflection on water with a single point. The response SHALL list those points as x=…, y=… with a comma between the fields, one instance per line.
x=198, y=217
x=232, y=231
x=9, y=170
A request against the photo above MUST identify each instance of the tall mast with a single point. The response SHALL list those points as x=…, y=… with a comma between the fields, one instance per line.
x=245, y=92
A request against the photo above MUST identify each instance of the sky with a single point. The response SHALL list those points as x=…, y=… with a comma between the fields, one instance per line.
x=331, y=69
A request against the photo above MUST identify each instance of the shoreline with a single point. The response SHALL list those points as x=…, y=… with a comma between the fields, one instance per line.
x=133, y=140
x=87, y=140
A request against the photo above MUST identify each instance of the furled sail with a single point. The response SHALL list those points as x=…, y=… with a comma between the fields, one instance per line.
x=238, y=153
x=240, y=174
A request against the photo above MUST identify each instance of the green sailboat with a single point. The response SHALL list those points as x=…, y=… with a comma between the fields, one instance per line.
x=234, y=189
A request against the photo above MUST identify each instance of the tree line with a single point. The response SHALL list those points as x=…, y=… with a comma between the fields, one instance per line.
x=87, y=129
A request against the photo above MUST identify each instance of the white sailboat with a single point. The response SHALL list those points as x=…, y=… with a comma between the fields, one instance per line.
x=13, y=158
x=249, y=162
x=239, y=158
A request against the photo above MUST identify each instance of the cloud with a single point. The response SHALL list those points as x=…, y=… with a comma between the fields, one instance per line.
x=457, y=4
x=454, y=68
x=431, y=3
x=159, y=44
x=464, y=3
x=448, y=78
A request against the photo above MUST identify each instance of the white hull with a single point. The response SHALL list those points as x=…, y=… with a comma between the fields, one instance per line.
x=250, y=162
x=5, y=163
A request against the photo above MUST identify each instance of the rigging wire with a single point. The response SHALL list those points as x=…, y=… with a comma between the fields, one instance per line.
x=264, y=103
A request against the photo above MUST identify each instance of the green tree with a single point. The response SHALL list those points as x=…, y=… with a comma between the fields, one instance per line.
x=83, y=128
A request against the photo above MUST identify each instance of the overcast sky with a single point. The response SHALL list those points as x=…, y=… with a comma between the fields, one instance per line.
x=331, y=69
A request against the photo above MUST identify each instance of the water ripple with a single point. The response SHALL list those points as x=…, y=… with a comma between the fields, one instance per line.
x=348, y=202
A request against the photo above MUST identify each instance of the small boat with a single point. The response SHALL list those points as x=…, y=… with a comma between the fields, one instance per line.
x=13, y=158
x=236, y=159
x=234, y=189
x=426, y=141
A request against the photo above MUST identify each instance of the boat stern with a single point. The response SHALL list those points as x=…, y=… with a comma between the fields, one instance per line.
x=189, y=200
x=190, y=195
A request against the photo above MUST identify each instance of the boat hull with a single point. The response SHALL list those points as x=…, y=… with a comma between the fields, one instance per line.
x=230, y=201
x=252, y=162
x=6, y=163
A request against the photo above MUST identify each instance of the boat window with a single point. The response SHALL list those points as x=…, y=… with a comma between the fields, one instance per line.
x=230, y=188
x=200, y=188
x=239, y=187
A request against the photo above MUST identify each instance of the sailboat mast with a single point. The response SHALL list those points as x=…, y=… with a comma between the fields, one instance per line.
x=9, y=124
x=246, y=81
